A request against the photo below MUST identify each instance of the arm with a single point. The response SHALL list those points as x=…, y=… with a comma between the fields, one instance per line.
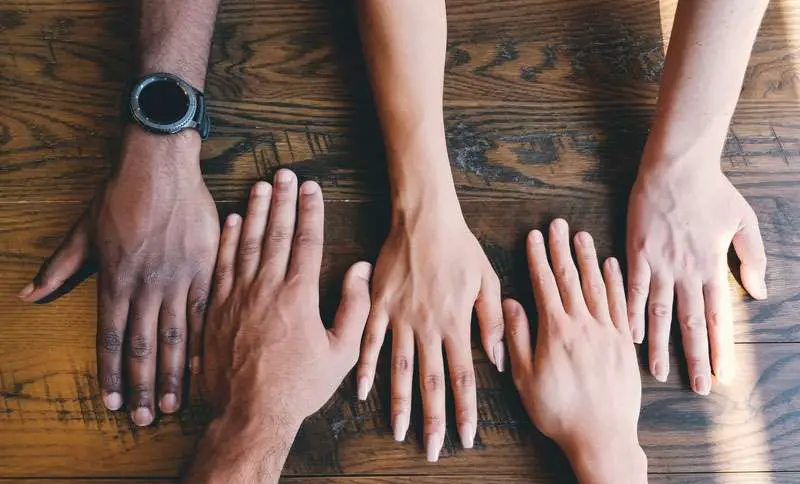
x=269, y=361
x=431, y=271
x=684, y=213
x=583, y=348
x=152, y=230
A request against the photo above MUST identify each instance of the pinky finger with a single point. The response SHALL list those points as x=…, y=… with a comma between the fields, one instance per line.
x=225, y=272
x=375, y=331
x=638, y=290
x=198, y=300
x=616, y=295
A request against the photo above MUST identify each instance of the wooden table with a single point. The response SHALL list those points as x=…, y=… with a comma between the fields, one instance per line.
x=548, y=104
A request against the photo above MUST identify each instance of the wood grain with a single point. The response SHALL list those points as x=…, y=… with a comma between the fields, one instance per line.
x=548, y=104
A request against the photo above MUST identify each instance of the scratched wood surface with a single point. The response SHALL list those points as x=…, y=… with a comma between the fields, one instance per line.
x=547, y=108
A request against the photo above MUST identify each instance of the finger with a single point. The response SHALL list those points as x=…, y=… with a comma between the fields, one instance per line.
x=375, y=331
x=569, y=285
x=462, y=379
x=351, y=316
x=402, y=380
x=197, y=303
x=750, y=248
x=615, y=287
x=594, y=289
x=691, y=317
x=68, y=259
x=280, y=230
x=518, y=336
x=141, y=357
x=638, y=289
x=660, y=313
x=545, y=289
x=252, y=237
x=112, y=318
x=431, y=367
x=719, y=317
x=489, y=308
x=306, y=257
x=225, y=272
x=171, y=352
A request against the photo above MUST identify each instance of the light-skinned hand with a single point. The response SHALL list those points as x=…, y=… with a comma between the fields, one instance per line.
x=429, y=275
x=581, y=385
x=681, y=224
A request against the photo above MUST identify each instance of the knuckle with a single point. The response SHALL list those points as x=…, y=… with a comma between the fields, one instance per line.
x=401, y=365
x=433, y=382
x=280, y=236
x=250, y=247
x=693, y=323
x=659, y=310
x=111, y=381
x=639, y=290
x=433, y=421
x=169, y=381
x=223, y=273
x=140, y=348
x=110, y=341
x=463, y=379
x=142, y=393
x=173, y=336
x=199, y=304
x=400, y=401
x=372, y=339
x=307, y=239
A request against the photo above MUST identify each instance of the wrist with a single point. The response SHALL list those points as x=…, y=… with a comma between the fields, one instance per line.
x=672, y=149
x=608, y=461
x=143, y=151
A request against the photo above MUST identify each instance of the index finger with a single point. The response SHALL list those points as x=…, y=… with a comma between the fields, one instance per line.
x=545, y=289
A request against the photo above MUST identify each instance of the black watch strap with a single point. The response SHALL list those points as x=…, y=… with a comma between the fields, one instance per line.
x=201, y=119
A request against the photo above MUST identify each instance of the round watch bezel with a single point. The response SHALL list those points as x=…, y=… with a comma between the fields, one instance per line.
x=186, y=121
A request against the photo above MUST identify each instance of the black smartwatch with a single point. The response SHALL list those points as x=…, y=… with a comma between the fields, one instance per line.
x=166, y=104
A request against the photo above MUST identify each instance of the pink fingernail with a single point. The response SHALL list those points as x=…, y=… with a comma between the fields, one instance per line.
x=112, y=401
x=142, y=417
x=499, y=353
x=702, y=385
x=168, y=403
x=400, y=426
x=660, y=371
x=363, y=388
x=194, y=365
x=467, y=435
x=26, y=291
x=433, y=447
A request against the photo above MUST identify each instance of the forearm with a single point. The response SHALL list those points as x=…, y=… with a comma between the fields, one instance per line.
x=703, y=74
x=405, y=45
x=608, y=462
x=242, y=450
x=175, y=37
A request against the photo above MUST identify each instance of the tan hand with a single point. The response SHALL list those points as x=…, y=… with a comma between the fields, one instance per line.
x=680, y=227
x=266, y=349
x=430, y=274
x=152, y=231
x=583, y=349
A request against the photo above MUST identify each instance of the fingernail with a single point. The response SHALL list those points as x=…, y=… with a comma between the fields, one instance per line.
x=26, y=291
x=660, y=371
x=112, y=401
x=260, y=188
x=194, y=365
x=283, y=176
x=702, y=385
x=168, y=403
x=638, y=335
x=559, y=225
x=432, y=447
x=363, y=388
x=499, y=353
x=613, y=264
x=142, y=417
x=585, y=238
x=363, y=270
x=309, y=187
x=467, y=435
x=536, y=237
x=400, y=427
x=232, y=220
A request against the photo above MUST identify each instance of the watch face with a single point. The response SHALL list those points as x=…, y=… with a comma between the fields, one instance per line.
x=163, y=103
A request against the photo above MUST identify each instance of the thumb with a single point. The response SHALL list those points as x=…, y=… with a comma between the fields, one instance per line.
x=66, y=261
x=351, y=317
x=750, y=250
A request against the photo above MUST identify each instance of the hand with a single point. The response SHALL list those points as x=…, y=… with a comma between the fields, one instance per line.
x=152, y=231
x=429, y=275
x=680, y=225
x=269, y=361
x=583, y=349
x=265, y=344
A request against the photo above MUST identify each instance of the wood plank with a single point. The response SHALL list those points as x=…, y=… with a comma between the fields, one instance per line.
x=289, y=89
x=52, y=422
